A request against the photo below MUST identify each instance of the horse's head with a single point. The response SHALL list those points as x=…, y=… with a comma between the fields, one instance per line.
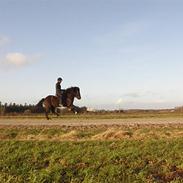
x=77, y=93
x=69, y=94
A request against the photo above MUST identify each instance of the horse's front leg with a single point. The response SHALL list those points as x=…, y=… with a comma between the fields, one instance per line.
x=56, y=111
x=74, y=109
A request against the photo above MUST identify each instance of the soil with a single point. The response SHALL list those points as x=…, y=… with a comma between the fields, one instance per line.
x=92, y=122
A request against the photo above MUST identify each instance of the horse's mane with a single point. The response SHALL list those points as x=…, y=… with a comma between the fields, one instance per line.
x=70, y=89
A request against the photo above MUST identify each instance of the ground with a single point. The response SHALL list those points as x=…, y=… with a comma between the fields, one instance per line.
x=91, y=149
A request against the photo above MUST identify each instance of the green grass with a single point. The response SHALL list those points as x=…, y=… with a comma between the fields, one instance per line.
x=91, y=161
x=149, y=154
x=53, y=133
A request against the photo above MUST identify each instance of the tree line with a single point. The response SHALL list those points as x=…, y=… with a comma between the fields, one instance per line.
x=13, y=108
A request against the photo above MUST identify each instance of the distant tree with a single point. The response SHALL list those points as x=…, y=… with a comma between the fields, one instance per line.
x=13, y=108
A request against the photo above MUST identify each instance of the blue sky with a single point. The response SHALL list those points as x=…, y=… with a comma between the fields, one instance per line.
x=121, y=53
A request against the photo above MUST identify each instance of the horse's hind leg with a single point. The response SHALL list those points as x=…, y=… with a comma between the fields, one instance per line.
x=46, y=113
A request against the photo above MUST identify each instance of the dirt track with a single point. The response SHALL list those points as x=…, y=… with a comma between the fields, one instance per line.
x=91, y=122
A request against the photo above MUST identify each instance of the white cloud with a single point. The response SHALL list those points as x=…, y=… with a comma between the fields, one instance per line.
x=4, y=40
x=14, y=60
x=120, y=34
x=148, y=100
x=119, y=101
x=133, y=95
x=17, y=60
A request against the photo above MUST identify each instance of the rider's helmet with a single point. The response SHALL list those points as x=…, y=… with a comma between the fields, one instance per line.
x=59, y=79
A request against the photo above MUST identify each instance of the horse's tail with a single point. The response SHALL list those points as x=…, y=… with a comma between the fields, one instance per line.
x=38, y=108
x=40, y=103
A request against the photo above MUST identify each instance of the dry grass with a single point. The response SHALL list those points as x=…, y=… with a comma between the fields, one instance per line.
x=112, y=134
x=90, y=133
x=72, y=135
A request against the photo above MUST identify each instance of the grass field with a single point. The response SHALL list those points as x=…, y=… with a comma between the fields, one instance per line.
x=92, y=154
x=94, y=161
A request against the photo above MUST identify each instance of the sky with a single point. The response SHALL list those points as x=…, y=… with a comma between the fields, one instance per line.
x=122, y=54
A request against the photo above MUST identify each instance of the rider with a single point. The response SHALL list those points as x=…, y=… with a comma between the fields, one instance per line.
x=59, y=91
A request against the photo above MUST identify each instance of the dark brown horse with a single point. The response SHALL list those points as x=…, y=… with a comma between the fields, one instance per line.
x=51, y=102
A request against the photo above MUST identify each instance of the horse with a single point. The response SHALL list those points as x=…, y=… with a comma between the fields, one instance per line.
x=51, y=102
